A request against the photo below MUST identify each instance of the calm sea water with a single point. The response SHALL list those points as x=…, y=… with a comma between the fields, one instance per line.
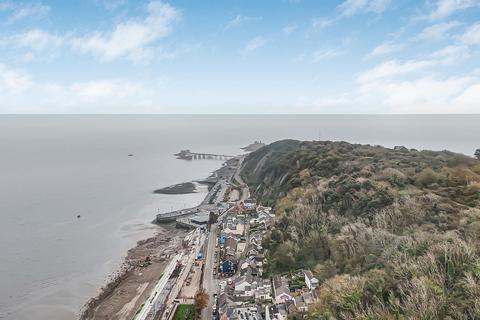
x=55, y=167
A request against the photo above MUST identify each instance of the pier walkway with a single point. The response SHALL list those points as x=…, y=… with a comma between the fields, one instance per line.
x=188, y=155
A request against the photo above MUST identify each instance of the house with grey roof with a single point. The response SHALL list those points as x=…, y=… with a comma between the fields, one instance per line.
x=280, y=289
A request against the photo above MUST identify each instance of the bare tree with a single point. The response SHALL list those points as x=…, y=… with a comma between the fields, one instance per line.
x=200, y=301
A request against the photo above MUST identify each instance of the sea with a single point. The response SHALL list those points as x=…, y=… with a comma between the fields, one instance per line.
x=54, y=168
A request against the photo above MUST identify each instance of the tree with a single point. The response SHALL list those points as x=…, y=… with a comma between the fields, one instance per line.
x=477, y=154
x=200, y=301
x=212, y=218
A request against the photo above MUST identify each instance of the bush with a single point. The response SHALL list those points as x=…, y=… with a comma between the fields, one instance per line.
x=472, y=189
x=476, y=169
x=426, y=177
x=461, y=177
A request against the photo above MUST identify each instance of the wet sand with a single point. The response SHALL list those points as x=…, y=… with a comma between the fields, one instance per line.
x=130, y=286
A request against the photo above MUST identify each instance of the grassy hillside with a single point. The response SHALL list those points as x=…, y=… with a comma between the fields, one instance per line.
x=391, y=234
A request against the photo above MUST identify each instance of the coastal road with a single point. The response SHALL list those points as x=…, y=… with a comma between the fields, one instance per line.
x=209, y=281
x=245, y=194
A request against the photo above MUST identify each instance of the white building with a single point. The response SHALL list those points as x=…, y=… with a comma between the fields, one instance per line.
x=310, y=280
x=280, y=290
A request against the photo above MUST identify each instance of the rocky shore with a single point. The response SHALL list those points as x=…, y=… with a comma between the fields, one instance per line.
x=129, y=286
x=180, y=188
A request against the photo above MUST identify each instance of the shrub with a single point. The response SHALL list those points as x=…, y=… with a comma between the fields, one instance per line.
x=462, y=177
x=472, y=189
x=476, y=169
x=426, y=177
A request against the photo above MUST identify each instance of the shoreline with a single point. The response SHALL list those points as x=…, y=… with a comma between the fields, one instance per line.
x=142, y=263
x=136, y=276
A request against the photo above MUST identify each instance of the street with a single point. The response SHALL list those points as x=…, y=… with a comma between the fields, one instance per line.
x=210, y=284
x=245, y=193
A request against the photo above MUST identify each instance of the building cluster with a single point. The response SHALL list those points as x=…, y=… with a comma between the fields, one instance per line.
x=244, y=290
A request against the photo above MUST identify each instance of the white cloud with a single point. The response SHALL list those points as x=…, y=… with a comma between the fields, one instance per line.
x=133, y=38
x=438, y=31
x=422, y=95
x=352, y=7
x=34, y=44
x=319, y=24
x=104, y=95
x=452, y=54
x=289, y=29
x=36, y=39
x=239, y=20
x=385, y=48
x=326, y=54
x=418, y=86
x=104, y=88
x=13, y=81
x=471, y=35
x=255, y=44
x=426, y=94
x=393, y=68
x=445, y=8
x=469, y=98
x=30, y=11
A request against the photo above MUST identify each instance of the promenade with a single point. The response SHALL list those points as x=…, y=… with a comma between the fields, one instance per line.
x=159, y=304
x=214, y=196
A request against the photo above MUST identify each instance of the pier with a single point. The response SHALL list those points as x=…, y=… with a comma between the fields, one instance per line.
x=174, y=215
x=188, y=155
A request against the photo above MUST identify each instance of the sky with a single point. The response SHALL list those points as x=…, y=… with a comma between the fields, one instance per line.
x=240, y=56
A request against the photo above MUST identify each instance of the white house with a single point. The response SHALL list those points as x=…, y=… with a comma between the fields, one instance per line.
x=243, y=287
x=281, y=291
x=310, y=280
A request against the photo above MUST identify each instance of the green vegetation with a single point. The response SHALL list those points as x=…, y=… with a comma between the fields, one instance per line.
x=390, y=234
x=296, y=282
x=184, y=312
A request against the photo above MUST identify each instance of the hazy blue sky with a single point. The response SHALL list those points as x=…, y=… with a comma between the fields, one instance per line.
x=240, y=56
